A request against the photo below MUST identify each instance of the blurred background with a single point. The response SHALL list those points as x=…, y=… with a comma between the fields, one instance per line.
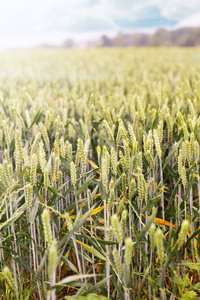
x=97, y=23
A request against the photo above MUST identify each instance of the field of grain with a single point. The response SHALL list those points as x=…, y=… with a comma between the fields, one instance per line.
x=99, y=174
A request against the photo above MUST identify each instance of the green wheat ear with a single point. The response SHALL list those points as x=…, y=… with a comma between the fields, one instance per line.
x=180, y=163
x=62, y=146
x=157, y=143
x=128, y=251
x=184, y=177
x=182, y=234
x=68, y=146
x=42, y=157
x=126, y=154
x=118, y=265
x=196, y=151
x=47, y=226
x=109, y=131
x=124, y=183
x=141, y=186
x=191, y=147
x=85, y=131
x=28, y=119
x=7, y=134
x=2, y=178
x=56, y=168
x=73, y=173
x=9, y=278
x=105, y=167
x=131, y=189
x=113, y=160
x=131, y=133
x=159, y=94
x=89, y=195
x=160, y=245
x=44, y=133
x=79, y=152
x=7, y=170
x=183, y=151
x=68, y=221
x=117, y=229
x=152, y=231
x=110, y=234
x=52, y=258
x=29, y=196
x=141, y=110
x=123, y=221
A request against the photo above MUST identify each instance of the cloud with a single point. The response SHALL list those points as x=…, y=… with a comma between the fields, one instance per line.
x=74, y=16
x=24, y=16
x=191, y=21
x=178, y=9
x=44, y=18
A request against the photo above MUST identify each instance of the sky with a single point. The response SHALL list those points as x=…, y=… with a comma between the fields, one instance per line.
x=27, y=23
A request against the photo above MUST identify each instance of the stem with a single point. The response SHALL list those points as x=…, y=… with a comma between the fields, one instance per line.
x=34, y=260
x=93, y=265
x=106, y=228
x=179, y=204
x=77, y=256
x=162, y=195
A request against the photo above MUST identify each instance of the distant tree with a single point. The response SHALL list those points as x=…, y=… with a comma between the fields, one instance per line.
x=183, y=37
x=105, y=41
x=69, y=43
x=188, y=42
x=141, y=40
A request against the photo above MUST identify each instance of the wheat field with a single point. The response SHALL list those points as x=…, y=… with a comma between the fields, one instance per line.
x=99, y=174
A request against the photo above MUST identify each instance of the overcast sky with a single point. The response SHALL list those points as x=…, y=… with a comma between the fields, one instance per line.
x=25, y=23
